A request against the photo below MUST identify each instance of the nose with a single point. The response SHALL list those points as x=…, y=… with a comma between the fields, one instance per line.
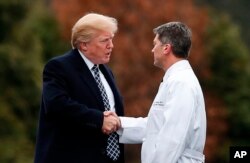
x=152, y=50
x=110, y=45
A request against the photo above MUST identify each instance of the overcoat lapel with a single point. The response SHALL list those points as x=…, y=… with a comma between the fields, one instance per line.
x=89, y=80
x=87, y=77
x=110, y=79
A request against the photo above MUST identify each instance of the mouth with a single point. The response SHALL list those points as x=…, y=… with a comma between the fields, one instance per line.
x=107, y=55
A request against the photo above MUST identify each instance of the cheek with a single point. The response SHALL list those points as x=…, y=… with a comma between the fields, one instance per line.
x=101, y=48
x=156, y=51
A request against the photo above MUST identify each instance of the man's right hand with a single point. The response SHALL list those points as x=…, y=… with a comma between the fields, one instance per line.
x=111, y=122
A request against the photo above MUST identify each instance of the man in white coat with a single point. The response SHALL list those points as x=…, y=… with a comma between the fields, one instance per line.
x=175, y=128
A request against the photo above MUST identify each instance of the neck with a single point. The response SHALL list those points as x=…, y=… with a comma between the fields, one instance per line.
x=172, y=60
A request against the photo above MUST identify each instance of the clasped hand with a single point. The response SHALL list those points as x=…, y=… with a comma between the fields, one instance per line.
x=111, y=122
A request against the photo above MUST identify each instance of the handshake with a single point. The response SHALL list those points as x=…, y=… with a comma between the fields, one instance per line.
x=111, y=122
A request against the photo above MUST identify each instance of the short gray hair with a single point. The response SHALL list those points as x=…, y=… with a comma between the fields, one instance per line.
x=178, y=35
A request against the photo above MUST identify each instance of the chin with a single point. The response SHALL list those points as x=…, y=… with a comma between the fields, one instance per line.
x=106, y=61
x=157, y=65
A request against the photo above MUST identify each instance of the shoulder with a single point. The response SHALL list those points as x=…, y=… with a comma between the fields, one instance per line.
x=184, y=78
x=66, y=56
x=63, y=59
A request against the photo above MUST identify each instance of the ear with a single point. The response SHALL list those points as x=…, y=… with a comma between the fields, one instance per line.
x=83, y=46
x=167, y=48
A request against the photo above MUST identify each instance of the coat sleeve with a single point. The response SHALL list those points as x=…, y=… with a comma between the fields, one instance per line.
x=170, y=142
x=133, y=130
x=57, y=102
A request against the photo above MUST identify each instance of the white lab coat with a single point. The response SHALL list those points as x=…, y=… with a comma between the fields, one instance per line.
x=175, y=128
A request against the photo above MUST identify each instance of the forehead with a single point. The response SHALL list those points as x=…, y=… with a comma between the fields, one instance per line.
x=156, y=39
x=104, y=34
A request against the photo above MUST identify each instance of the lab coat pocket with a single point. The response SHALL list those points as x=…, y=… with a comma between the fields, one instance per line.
x=156, y=119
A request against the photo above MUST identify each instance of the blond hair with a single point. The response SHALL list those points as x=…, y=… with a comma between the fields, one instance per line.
x=88, y=25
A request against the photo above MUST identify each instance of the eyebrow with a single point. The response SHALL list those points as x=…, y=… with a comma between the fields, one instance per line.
x=107, y=37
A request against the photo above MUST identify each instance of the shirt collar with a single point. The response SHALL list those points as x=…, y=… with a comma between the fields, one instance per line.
x=87, y=61
x=178, y=66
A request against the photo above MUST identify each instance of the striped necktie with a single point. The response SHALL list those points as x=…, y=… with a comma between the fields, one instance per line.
x=112, y=149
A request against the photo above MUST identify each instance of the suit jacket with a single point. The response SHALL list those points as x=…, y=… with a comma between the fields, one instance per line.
x=71, y=114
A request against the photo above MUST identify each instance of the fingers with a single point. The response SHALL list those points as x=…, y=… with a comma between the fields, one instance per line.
x=106, y=132
x=111, y=113
x=111, y=122
x=108, y=113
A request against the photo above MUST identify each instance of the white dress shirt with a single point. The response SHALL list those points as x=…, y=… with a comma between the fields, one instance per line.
x=175, y=129
x=104, y=82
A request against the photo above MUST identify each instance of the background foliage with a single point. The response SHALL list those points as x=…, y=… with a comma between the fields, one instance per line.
x=34, y=31
x=29, y=36
x=229, y=64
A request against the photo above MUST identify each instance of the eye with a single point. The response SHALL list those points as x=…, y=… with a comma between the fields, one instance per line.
x=105, y=40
